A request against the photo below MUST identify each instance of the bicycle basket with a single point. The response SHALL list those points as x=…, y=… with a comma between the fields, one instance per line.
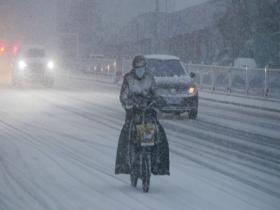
x=146, y=134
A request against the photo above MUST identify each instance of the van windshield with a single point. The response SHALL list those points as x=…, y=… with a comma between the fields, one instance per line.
x=165, y=68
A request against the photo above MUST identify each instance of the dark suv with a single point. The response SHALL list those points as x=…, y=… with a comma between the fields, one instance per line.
x=174, y=85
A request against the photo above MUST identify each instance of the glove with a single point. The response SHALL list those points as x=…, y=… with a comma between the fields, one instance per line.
x=128, y=106
x=139, y=107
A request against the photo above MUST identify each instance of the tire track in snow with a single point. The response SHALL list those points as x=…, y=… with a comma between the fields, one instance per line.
x=221, y=140
x=234, y=176
x=33, y=193
x=105, y=120
x=220, y=156
x=187, y=133
x=251, y=137
x=224, y=142
x=83, y=165
x=224, y=172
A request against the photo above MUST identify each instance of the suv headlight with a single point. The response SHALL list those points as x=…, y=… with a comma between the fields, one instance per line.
x=191, y=90
x=50, y=65
x=22, y=65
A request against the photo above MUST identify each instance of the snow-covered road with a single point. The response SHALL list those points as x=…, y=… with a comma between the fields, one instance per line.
x=57, y=151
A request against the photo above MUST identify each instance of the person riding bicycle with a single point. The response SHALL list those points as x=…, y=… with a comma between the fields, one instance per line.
x=137, y=93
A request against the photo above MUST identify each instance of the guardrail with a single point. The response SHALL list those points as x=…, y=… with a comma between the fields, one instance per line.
x=257, y=82
x=102, y=66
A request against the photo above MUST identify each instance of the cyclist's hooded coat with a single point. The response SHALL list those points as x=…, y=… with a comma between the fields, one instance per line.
x=133, y=91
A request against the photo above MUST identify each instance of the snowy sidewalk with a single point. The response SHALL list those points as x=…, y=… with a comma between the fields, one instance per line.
x=246, y=101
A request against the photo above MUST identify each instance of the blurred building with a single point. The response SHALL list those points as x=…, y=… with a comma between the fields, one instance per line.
x=187, y=33
x=212, y=32
x=79, y=27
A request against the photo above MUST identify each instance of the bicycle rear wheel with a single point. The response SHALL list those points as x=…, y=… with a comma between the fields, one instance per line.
x=146, y=174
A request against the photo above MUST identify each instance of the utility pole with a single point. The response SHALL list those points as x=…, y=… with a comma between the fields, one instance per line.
x=167, y=23
x=169, y=6
x=157, y=5
x=156, y=22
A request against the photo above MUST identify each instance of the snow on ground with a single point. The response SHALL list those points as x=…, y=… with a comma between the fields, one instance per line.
x=57, y=151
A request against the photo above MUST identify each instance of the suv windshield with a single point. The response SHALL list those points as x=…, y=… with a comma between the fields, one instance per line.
x=36, y=53
x=165, y=68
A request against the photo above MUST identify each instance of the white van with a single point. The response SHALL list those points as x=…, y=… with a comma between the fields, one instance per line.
x=33, y=64
x=242, y=63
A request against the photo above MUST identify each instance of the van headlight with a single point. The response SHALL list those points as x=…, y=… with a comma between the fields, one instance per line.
x=22, y=65
x=50, y=65
x=191, y=90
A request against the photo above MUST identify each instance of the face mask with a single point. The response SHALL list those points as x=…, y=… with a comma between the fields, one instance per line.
x=140, y=72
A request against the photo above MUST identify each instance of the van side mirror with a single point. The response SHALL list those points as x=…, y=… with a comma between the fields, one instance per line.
x=192, y=75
